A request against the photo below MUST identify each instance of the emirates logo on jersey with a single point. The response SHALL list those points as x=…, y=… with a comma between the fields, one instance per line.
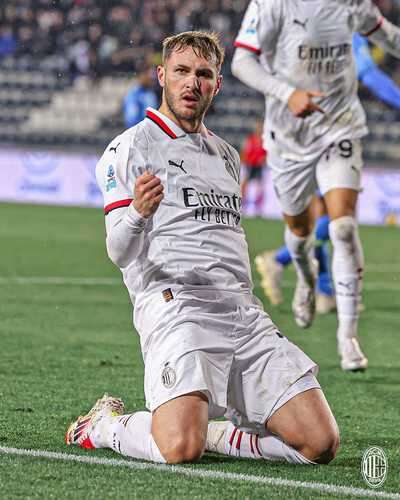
x=329, y=59
x=213, y=207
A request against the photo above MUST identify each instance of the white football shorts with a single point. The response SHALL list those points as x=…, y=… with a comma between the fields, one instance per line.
x=224, y=345
x=339, y=166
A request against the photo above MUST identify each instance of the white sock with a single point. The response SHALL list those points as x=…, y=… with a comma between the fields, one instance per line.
x=269, y=447
x=300, y=249
x=347, y=270
x=128, y=435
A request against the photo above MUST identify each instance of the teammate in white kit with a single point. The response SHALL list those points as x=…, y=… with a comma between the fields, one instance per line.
x=299, y=54
x=172, y=203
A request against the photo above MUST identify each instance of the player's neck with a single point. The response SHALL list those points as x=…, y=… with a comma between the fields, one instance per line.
x=188, y=126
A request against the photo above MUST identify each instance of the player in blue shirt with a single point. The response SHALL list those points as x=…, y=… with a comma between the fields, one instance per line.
x=381, y=85
x=140, y=97
x=271, y=264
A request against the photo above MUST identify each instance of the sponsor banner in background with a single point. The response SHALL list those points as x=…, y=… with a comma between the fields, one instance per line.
x=49, y=177
x=379, y=201
x=59, y=178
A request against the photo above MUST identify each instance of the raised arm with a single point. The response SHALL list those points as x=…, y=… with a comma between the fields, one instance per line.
x=129, y=201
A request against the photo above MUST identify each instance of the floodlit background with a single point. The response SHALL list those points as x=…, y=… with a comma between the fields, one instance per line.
x=67, y=65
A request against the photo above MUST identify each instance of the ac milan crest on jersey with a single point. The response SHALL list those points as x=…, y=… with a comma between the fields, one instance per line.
x=168, y=376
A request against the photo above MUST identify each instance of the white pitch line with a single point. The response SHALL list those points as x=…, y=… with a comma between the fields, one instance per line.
x=58, y=280
x=204, y=473
x=82, y=281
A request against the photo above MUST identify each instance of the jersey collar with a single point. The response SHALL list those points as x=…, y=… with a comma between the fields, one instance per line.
x=168, y=126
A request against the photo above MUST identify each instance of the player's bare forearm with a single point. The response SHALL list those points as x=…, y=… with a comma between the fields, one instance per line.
x=148, y=193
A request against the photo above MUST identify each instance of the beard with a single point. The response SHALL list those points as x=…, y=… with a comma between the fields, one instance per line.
x=181, y=113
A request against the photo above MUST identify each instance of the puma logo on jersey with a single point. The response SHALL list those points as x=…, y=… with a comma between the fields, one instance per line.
x=115, y=149
x=177, y=165
x=303, y=24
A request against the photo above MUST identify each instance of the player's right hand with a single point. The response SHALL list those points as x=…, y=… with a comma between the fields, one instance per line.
x=300, y=102
x=148, y=193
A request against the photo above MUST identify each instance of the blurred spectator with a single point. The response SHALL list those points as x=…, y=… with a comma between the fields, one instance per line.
x=140, y=97
x=253, y=157
x=96, y=37
x=8, y=42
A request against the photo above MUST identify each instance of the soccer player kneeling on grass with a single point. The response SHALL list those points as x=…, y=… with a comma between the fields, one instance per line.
x=172, y=203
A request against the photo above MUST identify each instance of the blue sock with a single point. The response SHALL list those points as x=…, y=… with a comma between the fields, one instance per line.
x=324, y=283
x=322, y=228
x=283, y=257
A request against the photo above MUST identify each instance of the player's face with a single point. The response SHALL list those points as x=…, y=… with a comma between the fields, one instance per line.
x=190, y=82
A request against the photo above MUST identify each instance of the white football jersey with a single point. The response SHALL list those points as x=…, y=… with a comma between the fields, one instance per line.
x=308, y=44
x=195, y=237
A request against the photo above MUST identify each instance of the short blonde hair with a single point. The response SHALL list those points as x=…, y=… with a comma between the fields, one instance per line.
x=204, y=43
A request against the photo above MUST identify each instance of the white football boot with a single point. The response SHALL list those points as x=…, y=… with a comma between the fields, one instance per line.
x=215, y=441
x=81, y=431
x=352, y=358
x=271, y=276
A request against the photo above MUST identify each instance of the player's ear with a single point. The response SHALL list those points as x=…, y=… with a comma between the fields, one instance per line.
x=218, y=85
x=161, y=75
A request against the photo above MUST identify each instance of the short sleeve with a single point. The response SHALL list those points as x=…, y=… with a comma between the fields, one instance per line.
x=260, y=26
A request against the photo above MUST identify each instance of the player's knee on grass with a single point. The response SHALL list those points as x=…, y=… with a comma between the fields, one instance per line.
x=179, y=428
x=306, y=424
x=182, y=447
x=322, y=445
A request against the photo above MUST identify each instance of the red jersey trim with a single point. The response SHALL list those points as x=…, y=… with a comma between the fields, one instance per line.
x=380, y=22
x=158, y=121
x=117, y=204
x=242, y=45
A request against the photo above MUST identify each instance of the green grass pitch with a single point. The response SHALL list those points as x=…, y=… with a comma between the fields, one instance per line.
x=65, y=341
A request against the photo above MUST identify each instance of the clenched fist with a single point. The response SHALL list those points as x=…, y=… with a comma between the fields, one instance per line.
x=148, y=193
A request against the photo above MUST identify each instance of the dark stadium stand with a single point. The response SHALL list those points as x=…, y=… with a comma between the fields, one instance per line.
x=65, y=66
